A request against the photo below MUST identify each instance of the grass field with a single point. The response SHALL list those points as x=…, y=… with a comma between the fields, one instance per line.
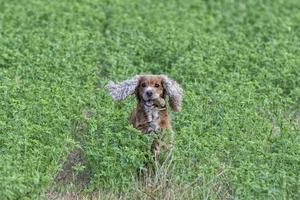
x=237, y=137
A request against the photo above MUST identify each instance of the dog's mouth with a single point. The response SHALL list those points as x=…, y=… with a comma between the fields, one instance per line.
x=149, y=102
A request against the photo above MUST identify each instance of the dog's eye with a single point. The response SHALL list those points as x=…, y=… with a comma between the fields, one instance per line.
x=156, y=85
x=143, y=84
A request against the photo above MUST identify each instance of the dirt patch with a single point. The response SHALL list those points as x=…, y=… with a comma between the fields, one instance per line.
x=72, y=179
x=71, y=171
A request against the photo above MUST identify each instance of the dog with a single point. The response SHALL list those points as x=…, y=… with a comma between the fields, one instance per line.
x=151, y=91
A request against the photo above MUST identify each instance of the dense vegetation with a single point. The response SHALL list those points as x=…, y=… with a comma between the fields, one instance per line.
x=238, y=62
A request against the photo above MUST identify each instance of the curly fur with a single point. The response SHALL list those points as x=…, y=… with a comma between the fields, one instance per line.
x=120, y=91
x=175, y=92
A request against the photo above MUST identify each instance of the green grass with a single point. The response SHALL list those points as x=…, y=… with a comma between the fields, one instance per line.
x=238, y=62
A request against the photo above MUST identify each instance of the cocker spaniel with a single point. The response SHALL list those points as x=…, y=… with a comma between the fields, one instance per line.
x=150, y=114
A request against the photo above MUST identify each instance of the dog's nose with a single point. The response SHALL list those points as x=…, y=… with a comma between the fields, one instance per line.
x=149, y=93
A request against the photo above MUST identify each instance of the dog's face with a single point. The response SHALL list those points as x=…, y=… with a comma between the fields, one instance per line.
x=149, y=88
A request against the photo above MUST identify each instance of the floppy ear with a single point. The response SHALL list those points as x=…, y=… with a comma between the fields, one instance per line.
x=120, y=91
x=174, y=91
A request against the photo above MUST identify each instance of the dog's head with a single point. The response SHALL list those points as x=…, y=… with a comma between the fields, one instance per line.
x=147, y=88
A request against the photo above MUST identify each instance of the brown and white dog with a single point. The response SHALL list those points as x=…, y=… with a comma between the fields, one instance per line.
x=151, y=114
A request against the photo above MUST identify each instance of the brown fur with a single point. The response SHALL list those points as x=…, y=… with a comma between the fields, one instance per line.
x=139, y=120
x=138, y=117
x=150, y=114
